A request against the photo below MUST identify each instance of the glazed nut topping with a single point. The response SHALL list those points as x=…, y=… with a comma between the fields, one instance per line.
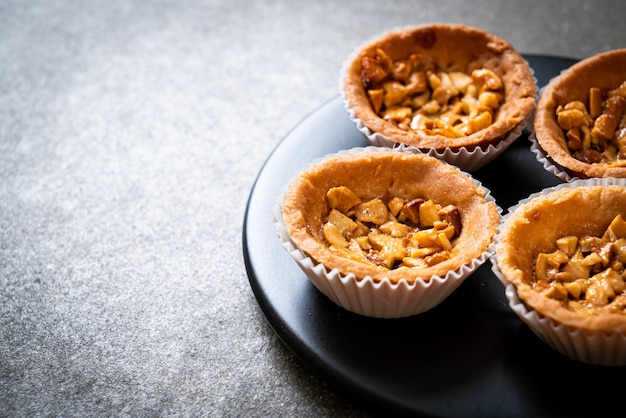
x=399, y=232
x=586, y=273
x=414, y=95
x=596, y=132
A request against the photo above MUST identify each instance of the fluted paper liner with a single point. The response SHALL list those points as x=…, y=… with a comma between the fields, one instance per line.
x=549, y=165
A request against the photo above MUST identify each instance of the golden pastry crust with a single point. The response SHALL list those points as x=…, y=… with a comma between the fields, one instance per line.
x=449, y=48
x=534, y=228
x=605, y=71
x=385, y=175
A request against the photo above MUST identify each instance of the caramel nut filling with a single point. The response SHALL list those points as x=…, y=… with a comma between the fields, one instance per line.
x=586, y=273
x=596, y=132
x=415, y=95
x=399, y=232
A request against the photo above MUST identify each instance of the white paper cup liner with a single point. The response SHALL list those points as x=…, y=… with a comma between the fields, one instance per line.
x=549, y=165
x=469, y=160
x=600, y=348
x=383, y=299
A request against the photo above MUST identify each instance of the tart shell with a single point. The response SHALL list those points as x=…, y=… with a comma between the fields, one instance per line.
x=583, y=207
x=451, y=48
x=379, y=172
x=605, y=71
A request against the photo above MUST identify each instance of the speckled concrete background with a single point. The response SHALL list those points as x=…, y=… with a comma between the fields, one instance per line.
x=131, y=133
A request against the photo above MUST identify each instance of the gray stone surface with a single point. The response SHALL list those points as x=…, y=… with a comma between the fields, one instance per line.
x=131, y=133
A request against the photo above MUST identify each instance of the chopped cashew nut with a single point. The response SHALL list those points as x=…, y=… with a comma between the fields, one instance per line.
x=597, y=133
x=399, y=232
x=417, y=96
x=586, y=273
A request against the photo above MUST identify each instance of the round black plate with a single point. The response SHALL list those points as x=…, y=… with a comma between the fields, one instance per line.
x=469, y=356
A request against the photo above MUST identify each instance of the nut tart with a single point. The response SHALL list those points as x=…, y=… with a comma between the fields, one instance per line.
x=561, y=253
x=384, y=232
x=579, y=127
x=438, y=87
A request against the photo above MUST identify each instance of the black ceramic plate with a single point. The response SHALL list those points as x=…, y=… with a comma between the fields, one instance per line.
x=469, y=356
